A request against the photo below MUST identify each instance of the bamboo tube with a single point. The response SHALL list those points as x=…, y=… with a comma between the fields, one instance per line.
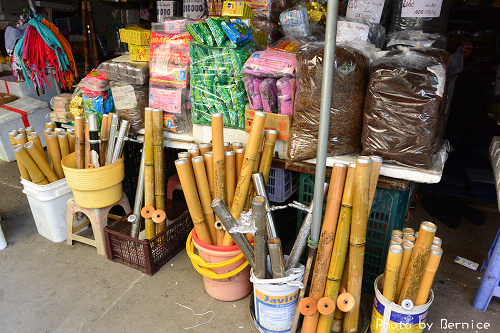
x=55, y=152
x=391, y=273
x=408, y=231
x=325, y=246
x=267, y=153
x=339, y=252
x=396, y=241
x=428, y=277
x=86, y=42
x=246, y=170
x=36, y=174
x=251, y=188
x=29, y=130
x=71, y=140
x=416, y=235
x=50, y=125
x=204, y=192
x=230, y=157
x=419, y=257
x=33, y=137
x=187, y=156
x=397, y=234
x=204, y=147
x=95, y=52
x=237, y=145
x=437, y=241
x=59, y=129
x=407, y=250
x=374, y=173
x=22, y=169
x=240, y=155
x=41, y=162
x=49, y=155
x=193, y=200
x=219, y=160
x=194, y=152
x=159, y=168
x=62, y=137
x=338, y=315
x=149, y=171
x=104, y=139
x=88, y=158
x=409, y=238
x=227, y=146
x=21, y=139
x=360, y=209
x=209, y=166
x=79, y=142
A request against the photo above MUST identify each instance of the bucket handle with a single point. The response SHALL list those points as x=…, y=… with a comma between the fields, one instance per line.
x=203, y=267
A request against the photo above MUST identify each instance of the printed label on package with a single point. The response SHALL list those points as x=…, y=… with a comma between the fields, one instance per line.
x=164, y=9
x=124, y=97
x=421, y=8
x=347, y=31
x=166, y=99
x=370, y=10
x=271, y=63
x=168, y=48
x=193, y=9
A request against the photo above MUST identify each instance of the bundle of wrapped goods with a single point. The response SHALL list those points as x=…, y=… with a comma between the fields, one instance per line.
x=403, y=108
x=169, y=70
x=414, y=38
x=237, y=9
x=216, y=70
x=97, y=97
x=428, y=16
x=124, y=69
x=60, y=106
x=138, y=40
x=346, y=113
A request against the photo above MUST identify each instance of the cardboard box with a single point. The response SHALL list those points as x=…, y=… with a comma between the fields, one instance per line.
x=279, y=122
x=9, y=85
x=135, y=35
x=138, y=52
x=17, y=114
x=238, y=9
x=6, y=98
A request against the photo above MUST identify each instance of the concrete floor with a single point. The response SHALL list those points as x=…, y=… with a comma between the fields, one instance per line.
x=53, y=287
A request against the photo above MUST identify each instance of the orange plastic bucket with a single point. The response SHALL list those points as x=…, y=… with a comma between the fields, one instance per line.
x=229, y=289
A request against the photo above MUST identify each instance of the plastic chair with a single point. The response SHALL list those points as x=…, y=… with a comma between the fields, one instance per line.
x=97, y=217
x=173, y=184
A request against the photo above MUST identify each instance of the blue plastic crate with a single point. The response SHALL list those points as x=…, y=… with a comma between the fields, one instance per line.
x=282, y=184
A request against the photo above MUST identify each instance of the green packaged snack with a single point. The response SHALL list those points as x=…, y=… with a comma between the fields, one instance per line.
x=214, y=24
x=194, y=31
x=205, y=32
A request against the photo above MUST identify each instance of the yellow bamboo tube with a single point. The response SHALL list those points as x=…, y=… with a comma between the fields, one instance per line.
x=325, y=246
x=103, y=147
x=396, y=241
x=339, y=252
x=62, y=137
x=409, y=238
x=419, y=257
x=36, y=174
x=49, y=156
x=391, y=273
x=159, y=169
x=205, y=198
x=209, y=166
x=51, y=125
x=405, y=261
x=187, y=156
x=240, y=155
x=22, y=131
x=55, y=152
x=230, y=157
x=29, y=130
x=237, y=145
x=59, y=129
x=219, y=160
x=227, y=146
x=408, y=231
x=437, y=241
x=22, y=169
x=428, y=276
x=338, y=315
x=41, y=162
x=193, y=200
x=374, y=173
x=251, y=189
x=33, y=137
x=71, y=139
x=267, y=153
x=149, y=171
x=87, y=143
x=246, y=170
x=397, y=234
x=80, y=142
x=194, y=152
x=204, y=147
x=359, y=223
x=21, y=139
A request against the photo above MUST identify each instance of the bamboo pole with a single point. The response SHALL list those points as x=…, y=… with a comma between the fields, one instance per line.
x=360, y=209
x=246, y=170
x=86, y=42
x=22, y=169
x=409, y=238
x=397, y=234
x=428, y=277
x=62, y=138
x=22, y=131
x=240, y=155
x=251, y=188
x=49, y=155
x=95, y=51
x=340, y=247
x=80, y=142
x=237, y=145
x=187, y=156
x=36, y=174
x=193, y=200
x=33, y=137
x=337, y=181
x=159, y=168
x=194, y=152
x=396, y=241
x=71, y=139
x=437, y=241
x=204, y=147
x=88, y=158
x=51, y=125
x=149, y=171
x=209, y=166
x=405, y=261
x=338, y=315
x=230, y=157
x=391, y=273
x=21, y=139
x=204, y=192
x=41, y=162
x=227, y=146
x=305, y=280
x=104, y=139
x=408, y=232
x=29, y=130
x=418, y=260
x=219, y=160
x=267, y=153
x=55, y=152
x=374, y=173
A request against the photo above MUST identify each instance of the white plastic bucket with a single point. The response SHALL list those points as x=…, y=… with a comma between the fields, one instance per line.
x=48, y=206
x=276, y=300
x=389, y=317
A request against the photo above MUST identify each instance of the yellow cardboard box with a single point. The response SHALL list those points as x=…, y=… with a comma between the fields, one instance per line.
x=279, y=122
x=138, y=52
x=135, y=35
x=238, y=9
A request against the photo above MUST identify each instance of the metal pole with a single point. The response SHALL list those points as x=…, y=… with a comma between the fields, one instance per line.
x=324, y=120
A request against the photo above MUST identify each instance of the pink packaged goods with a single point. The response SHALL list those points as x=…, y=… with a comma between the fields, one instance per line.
x=286, y=95
x=269, y=94
x=252, y=84
x=270, y=64
x=169, y=100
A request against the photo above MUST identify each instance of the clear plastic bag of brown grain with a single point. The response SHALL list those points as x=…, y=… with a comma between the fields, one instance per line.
x=417, y=15
x=403, y=108
x=414, y=38
x=350, y=78
x=130, y=101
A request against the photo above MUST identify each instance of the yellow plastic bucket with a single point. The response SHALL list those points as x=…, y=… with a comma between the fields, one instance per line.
x=94, y=188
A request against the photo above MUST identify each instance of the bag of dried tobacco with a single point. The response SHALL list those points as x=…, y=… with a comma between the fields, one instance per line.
x=349, y=86
x=429, y=16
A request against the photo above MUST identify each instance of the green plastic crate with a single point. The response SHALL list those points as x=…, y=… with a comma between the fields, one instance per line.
x=388, y=213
